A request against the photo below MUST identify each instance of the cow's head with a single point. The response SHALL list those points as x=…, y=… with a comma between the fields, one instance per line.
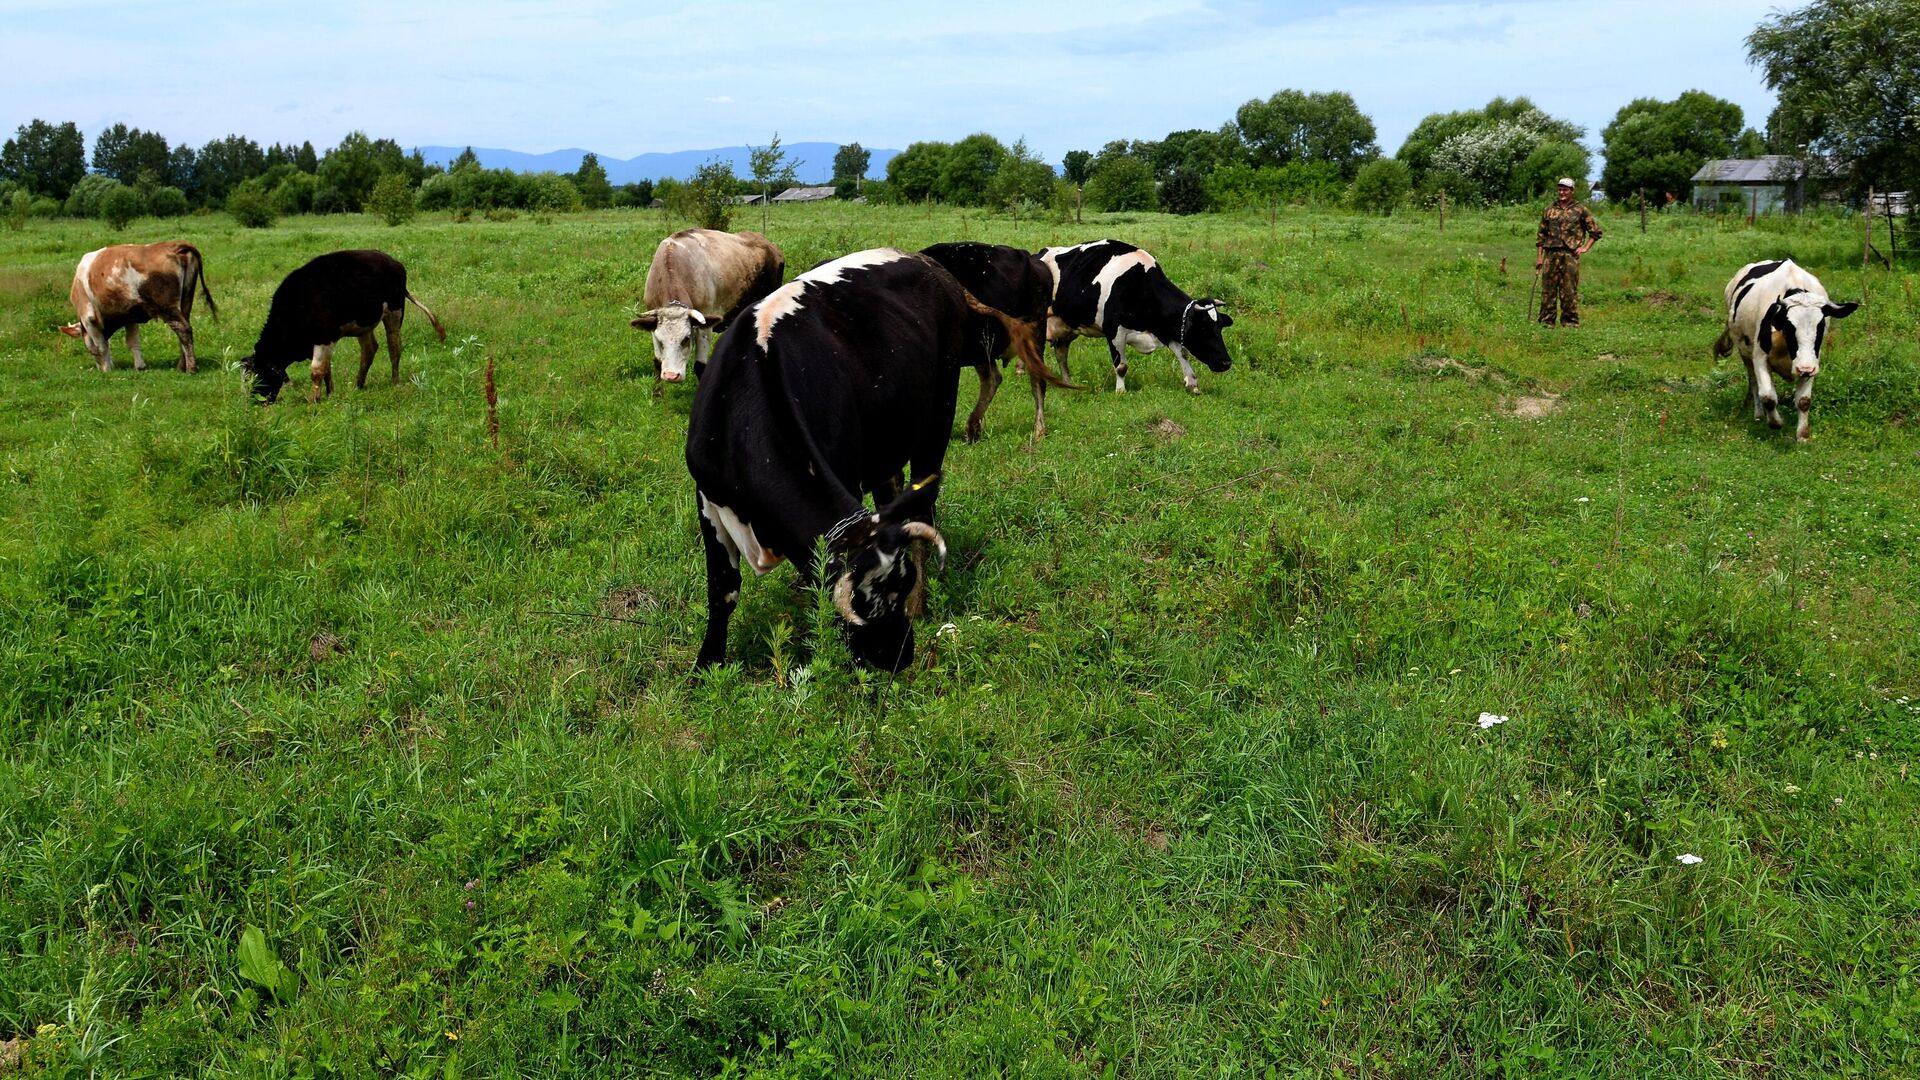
x=1796, y=326
x=673, y=330
x=268, y=377
x=872, y=572
x=1200, y=326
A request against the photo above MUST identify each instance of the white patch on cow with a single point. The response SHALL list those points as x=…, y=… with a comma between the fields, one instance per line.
x=1051, y=257
x=1140, y=340
x=131, y=279
x=738, y=537
x=1212, y=313
x=83, y=276
x=786, y=299
x=1111, y=272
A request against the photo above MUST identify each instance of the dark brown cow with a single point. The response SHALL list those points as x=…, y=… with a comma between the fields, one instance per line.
x=127, y=284
x=1017, y=283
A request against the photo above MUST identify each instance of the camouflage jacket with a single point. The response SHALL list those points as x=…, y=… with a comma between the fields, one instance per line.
x=1565, y=227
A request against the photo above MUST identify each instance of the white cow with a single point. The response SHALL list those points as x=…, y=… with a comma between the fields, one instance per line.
x=1777, y=314
x=698, y=281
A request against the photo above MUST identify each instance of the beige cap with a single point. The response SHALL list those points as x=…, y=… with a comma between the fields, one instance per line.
x=1566, y=181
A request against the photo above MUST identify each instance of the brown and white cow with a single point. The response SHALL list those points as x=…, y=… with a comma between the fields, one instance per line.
x=699, y=280
x=127, y=284
x=1777, y=316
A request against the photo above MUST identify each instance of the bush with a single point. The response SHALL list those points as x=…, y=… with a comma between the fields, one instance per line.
x=392, y=199
x=19, y=208
x=550, y=193
x=294, y=194
x=89, y=194
x=1382, y=185
x=436, y=193
x=1125, y=183
x=331, y=200
x=708, y=197
x=500, y=213
x=250, y=206
x=45, y=207
x=121, y=205
x=1184, y=192
x=167, y=202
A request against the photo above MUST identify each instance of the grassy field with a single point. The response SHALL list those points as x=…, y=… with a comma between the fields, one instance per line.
x=299, y=777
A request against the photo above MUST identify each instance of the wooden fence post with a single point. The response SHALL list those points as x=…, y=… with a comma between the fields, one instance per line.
x=1643, y=210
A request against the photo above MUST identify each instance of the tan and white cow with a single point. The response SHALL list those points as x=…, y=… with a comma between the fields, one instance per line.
x=128, y=284
x=699, y=280
x=1777, y=315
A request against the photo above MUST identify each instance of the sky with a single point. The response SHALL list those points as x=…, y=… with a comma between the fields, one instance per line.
x=623, y=79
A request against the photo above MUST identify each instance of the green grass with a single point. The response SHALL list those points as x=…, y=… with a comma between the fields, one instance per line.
x=1194, y=785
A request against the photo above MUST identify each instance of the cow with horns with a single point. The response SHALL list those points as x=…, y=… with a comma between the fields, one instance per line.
x=1777, y=315
x=1107, y=289
x=699, y=280
x=841, y=383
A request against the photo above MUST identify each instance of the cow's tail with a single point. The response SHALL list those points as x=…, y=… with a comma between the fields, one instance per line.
x=431, y=317
x=1026, y=343
x=1724, y=346
x=200, y=275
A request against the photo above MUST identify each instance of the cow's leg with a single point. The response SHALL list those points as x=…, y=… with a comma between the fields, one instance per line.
x=1039, y=406
x=392, y=320
x=1766, y=400
x=1186, y=369
x=1060, y=357
x=98, y=345
x=723, y=592
x=133, y=346
x=989, y=386
x=1119, y=352
x=367, y=348
x=1753, y=401
x=1803, y=404
x=320, y=369
x=183, y=330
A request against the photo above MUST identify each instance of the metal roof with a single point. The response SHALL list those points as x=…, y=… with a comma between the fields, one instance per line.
x=804, y=194
x=1771, y=169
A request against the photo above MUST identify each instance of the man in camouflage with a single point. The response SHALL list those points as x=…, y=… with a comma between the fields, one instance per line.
x=1567, y=230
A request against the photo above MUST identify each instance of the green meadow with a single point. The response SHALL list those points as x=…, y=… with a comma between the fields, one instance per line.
x=338, y=741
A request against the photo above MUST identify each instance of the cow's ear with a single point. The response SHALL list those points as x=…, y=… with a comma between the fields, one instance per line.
x=647, y=320
x=71, y=329
x=1840, y=311
x=913, y=504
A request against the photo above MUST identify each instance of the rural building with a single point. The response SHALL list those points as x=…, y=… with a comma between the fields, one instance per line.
x=804, y=194
x=748, y=200
x=1774, y=184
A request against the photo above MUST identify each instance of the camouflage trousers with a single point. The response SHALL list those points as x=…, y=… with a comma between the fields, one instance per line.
x=1560, y=286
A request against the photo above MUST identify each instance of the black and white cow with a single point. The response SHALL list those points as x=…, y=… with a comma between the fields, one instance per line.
x=335, y=295
x=1777, y=315
x=836, y=385
x=1017, y=283
x=1108, y=289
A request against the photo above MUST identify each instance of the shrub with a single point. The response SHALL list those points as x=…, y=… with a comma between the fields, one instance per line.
x=45, y=206
x=1184, y=192
x=436, y=193
x=250, y=206
x=708, y=197
x=549, y=193
x=392, y=199
x=294, y=194
x=1382, y=185
x=501, y=213
x=331, y=200
x=87, y=196
x=19, y=208
x=1125, y=183
x=121, y=205
x=167, y=202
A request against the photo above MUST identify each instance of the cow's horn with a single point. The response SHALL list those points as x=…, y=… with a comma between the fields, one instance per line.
x=843, y=599
x=920, y=530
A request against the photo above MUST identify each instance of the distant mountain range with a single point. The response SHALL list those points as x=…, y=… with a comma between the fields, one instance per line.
x=816, y=160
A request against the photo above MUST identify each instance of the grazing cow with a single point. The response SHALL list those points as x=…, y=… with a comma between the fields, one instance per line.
x=1017, y=283
x=699, y=281
x=1777, y=314
x=822, y=392
x=128, y=284
x=1116, y=291
x=336, y=295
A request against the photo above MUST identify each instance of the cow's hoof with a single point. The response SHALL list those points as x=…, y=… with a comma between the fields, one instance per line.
x=1194, y=389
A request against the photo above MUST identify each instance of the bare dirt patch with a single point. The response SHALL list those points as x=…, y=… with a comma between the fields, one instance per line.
x=1447, y=365
x=1660, y=298
x=13, y=1054
x=325, y=644
x=1167, y=429
x=629, y=599
x=1535, y=407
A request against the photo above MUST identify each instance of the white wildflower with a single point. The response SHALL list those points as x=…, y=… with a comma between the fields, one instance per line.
x=945, y=629
x=1689, y=859
x=1488, y=720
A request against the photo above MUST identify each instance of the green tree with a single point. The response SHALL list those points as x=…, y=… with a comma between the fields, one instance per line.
x=914, y=173
x=1122, y=181
x=1656, y=146
x=391, y=199
x=771, y=169
x=88, y=197
x=47, y=159
x=707, y=197
x=969, y=169
x=121, y=205
x=467, y=158
x=1382, y=185
x=306, y=160
x=1023, y=180
x=167, y=202
x=223, y=164
x=354, y=166
x=124, y=153
x=1437, y=129
x=249, y=206
x=1847, y=79
x=19, y=207
x=591, y=181
x=850, y=162
x=293, y=194
x=1077, y=167
x=1295, y=126
x=552, y=193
